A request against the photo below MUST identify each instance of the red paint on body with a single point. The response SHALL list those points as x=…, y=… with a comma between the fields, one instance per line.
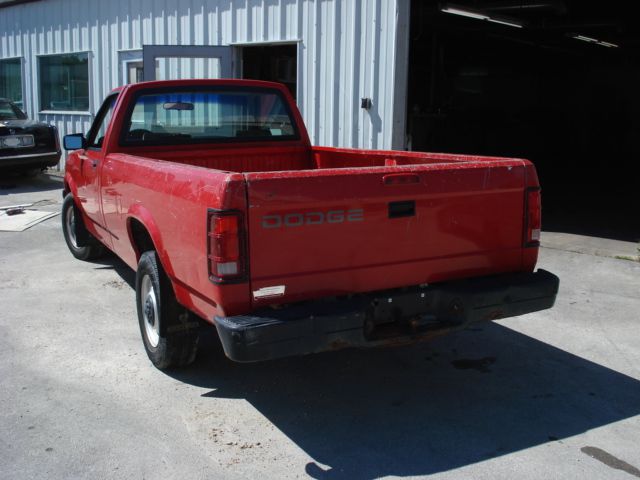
x=468, y=212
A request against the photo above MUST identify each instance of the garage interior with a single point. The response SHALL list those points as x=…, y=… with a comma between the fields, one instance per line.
x=273, y=63
x=552, y=81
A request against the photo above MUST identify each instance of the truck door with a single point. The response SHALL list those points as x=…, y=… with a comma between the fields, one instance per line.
x=91, y=166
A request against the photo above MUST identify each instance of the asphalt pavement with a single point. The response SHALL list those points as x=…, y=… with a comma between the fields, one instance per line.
x=554, y=394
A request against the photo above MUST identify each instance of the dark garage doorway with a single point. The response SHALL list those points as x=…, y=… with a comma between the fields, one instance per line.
x=274, y=63
x=530, y=87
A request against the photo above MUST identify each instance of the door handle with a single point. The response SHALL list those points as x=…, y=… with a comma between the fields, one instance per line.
x=94, y=163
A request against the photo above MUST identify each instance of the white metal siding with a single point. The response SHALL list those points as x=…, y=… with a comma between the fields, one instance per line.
x=347, y=50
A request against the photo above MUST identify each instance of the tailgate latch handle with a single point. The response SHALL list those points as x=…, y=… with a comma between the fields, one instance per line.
x=405, y=208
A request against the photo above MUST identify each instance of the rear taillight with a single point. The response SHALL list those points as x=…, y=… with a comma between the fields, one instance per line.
x=533, y=217
x=226, y=247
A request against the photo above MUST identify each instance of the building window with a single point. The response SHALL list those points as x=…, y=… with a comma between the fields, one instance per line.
x=11, y=80
x=64, y=82
x=135, y=72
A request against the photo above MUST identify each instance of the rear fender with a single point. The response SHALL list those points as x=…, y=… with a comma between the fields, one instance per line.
x=142, y=215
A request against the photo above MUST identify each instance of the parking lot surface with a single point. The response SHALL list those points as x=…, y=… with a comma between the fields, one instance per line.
x=555, y=394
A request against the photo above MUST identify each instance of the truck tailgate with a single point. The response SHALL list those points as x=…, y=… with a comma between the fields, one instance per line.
x=339, y=231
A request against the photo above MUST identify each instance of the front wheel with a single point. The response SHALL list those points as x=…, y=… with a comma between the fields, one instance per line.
x=81, y=243
x=169, y=331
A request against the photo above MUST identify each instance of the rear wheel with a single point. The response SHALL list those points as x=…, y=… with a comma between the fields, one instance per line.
x=81, y=243
x=169, y=331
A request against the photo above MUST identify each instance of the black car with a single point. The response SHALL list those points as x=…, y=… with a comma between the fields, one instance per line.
x=25, y=145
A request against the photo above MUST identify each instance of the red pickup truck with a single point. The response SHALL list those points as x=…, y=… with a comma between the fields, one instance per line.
x=212, y=192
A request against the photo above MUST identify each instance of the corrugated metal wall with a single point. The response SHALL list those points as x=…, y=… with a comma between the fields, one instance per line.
x=346, y=50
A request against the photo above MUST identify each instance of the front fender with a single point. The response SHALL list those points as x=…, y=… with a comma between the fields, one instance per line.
x=69, y=186
x=71, y=171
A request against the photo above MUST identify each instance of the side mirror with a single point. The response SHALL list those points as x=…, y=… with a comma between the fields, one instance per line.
x=75, y=141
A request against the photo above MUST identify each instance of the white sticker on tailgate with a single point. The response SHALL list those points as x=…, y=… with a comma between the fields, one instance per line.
x=265, y=292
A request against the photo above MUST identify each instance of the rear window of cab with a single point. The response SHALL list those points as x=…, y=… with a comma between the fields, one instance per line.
x=173, y=117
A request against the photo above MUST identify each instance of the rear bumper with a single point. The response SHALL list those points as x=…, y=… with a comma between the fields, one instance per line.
x=383, y=318
x=30, y=160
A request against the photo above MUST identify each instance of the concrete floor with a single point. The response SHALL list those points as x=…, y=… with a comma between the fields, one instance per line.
x=554, y=394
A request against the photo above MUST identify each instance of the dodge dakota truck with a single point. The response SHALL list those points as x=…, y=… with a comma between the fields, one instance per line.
x=213, y=193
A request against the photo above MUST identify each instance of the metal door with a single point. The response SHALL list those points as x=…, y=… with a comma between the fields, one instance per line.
x=178, y=62
x=91, y=159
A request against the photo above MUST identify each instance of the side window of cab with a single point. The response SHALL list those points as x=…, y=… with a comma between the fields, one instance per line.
x=101, y=123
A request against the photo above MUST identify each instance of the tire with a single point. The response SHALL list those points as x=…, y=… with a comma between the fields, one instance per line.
x=169, y=331
x=81, y=243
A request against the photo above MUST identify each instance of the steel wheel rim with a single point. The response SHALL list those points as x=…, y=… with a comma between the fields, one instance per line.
x=149, y=307
x=70, y=219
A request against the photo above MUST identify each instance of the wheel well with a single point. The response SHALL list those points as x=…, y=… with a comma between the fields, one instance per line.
x=140, y=238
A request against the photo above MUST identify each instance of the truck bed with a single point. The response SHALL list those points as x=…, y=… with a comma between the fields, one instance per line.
x=327, y=221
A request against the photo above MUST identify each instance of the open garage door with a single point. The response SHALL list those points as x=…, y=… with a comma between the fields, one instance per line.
x=552, y=81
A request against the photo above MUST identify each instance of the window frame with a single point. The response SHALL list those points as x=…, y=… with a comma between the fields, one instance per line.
x=99, y=118
x=126, y=57
x=127, y=66
x=22, y=84
x=38, y=98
